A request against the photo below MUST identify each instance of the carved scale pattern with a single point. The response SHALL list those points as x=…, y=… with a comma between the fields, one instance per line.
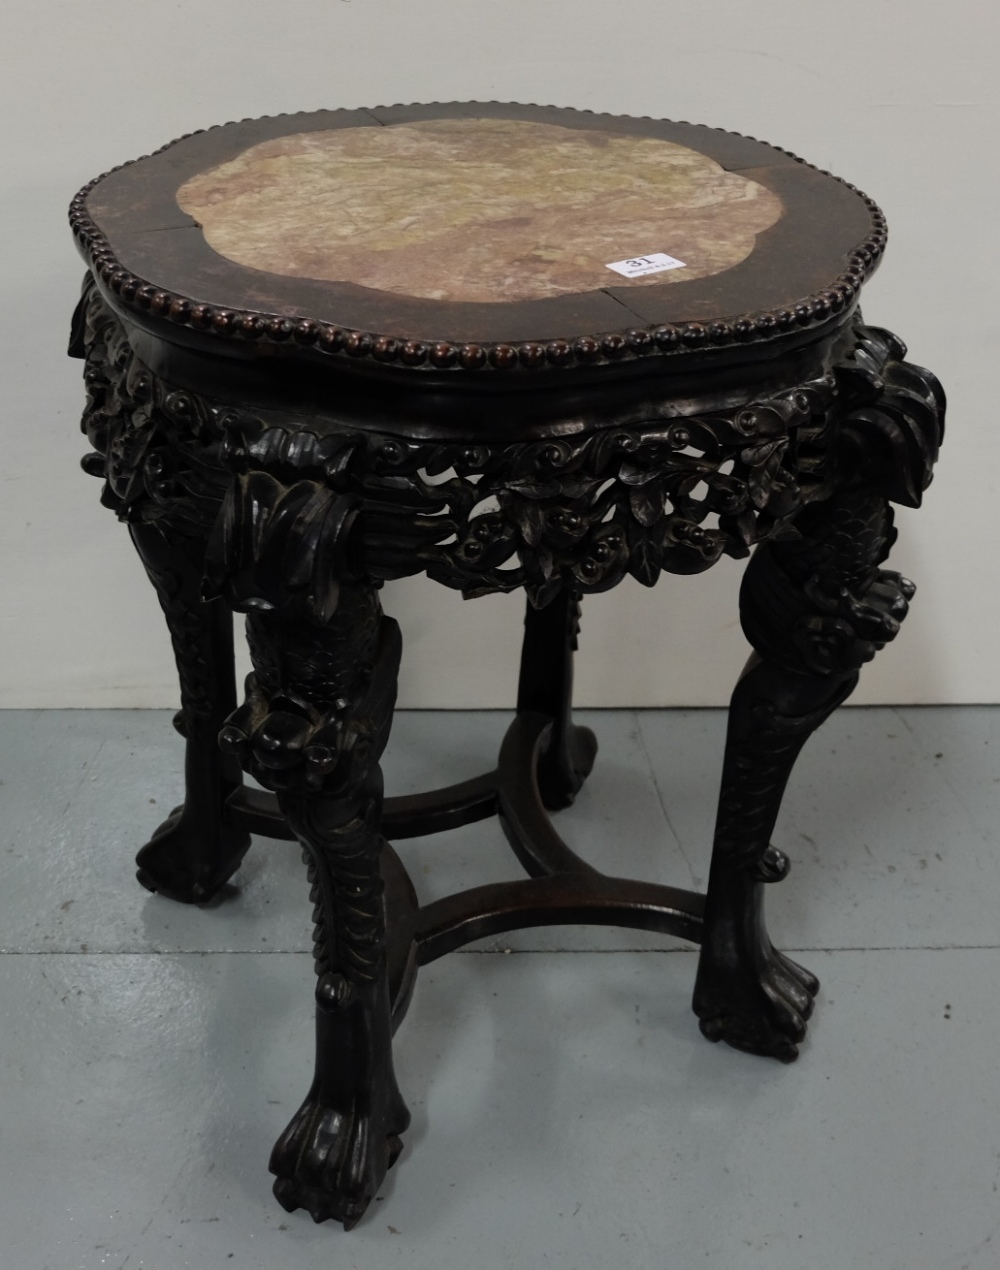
x=314, y=722
x=753, y=782
x=348, y=916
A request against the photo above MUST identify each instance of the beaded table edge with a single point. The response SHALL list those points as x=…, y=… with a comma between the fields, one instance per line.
x=634, y=342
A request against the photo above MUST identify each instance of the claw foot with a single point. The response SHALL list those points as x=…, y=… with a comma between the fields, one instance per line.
x=188, y=862
x=762, y=1010
x=332, y=1161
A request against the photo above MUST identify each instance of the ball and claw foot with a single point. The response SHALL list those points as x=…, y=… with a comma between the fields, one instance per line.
x=760, y=1011
x=181, y=862
x=750, y=995
x=332, y=1163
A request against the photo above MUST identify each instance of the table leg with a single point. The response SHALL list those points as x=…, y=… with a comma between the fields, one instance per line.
x=814, y=610
x=546, y=687
x=315, y=722
x=193, y=853
x=156, y=449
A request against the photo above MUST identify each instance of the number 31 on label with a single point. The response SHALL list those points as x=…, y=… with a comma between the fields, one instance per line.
x=639, y=266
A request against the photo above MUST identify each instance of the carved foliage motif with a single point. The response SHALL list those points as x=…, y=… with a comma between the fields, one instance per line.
x=308, y=511
x=156, y=448
x=579, y=512
x=157, y=452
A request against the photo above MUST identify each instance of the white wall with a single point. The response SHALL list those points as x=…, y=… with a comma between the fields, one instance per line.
x=898, y=96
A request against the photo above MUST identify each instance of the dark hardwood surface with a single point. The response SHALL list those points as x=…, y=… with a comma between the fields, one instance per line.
x=280, y=446
x=155, y=264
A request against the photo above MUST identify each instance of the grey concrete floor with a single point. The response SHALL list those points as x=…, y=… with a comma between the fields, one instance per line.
x=566, y=1110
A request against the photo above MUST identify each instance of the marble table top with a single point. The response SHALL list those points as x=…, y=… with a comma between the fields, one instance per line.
x=484, y=210
x=477, y=235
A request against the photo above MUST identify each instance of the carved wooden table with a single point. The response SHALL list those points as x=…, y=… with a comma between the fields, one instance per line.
x=508, y=347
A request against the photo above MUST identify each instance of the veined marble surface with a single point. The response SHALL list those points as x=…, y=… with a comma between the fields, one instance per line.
x=481, y=210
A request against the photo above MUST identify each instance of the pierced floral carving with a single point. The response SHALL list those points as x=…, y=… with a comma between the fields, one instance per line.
x=584, y=511
x=156, y=449
x=579, y=512
x=311, y=507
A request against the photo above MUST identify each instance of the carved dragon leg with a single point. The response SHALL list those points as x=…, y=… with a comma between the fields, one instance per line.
x=156, y=449
x=313, y=726
x=546, y=687
x=193, y=853
x=814, y=610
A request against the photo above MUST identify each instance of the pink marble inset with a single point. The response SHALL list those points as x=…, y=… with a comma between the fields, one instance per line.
x=476, y=209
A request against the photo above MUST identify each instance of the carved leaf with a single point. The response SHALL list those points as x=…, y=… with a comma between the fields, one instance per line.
x=646, y=503
x=607, y=450
x=529, y=518
x=645, y=555
x=537, y=490
x=542, y=593
x=631, y=473
x=764, y=462
x=743, y=529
